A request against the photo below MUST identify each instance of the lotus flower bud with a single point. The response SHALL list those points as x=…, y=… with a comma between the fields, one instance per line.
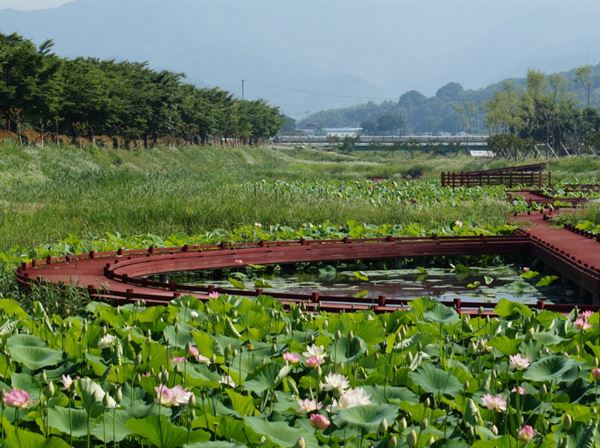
x=411, y=440
x=410, y=357
x=164, y=376
x=106, y=401
x=300, y=443
x=50, y=389
x=403, y=424
x=338, y=334
x=392, y=442
x=424, y=423
x=543, y=389
x=431, y=441
x=128, y=338
x=567, y=422
x=119, y=395
x=427, y=402
x=495, y=429
x=383, y=426
x=44, y=377
x=104, y=330
x=325, y=324
x=466, y=385
x=192, y=401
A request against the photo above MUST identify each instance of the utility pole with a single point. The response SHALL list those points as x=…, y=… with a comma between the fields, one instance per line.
x=243, y=81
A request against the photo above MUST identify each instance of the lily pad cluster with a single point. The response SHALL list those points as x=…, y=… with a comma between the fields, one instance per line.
x=245, y=372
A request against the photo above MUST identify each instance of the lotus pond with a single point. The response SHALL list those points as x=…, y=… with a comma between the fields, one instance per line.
x=470, y=278
x=237, y=372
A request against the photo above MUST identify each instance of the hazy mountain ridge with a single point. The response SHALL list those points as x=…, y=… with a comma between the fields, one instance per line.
x=422, y=114
x=322, y=54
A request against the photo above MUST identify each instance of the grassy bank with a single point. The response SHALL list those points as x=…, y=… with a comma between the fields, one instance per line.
x=46, y=194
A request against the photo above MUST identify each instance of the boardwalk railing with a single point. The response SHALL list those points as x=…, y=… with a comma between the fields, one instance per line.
x=510, y=176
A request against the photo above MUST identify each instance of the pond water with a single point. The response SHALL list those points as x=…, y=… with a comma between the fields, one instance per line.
x=470, y=283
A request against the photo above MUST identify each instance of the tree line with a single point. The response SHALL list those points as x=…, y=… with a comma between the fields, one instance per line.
x=123, y=101
x=544, y=117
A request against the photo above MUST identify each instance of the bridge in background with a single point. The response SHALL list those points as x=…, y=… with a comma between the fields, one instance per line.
x=386, y=140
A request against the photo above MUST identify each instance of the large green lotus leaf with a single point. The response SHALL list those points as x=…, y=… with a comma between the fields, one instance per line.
x=20, y=438
x=280, y=433
x=505, y=345
x=68, y=420
x=230, y=428
x=32, y=352
x=201, y=376
x=370, y=331
x=436, y=381
x=547, y=338
x=345, y=349
x=178, y=338
x=242, y=404
x=391, y=394
x=262, y=379
x=365, y=418
x=508, y=308
x=218, y=444
x=160, y=432
x=552, y=368
x=441, y=314
x=112, y=427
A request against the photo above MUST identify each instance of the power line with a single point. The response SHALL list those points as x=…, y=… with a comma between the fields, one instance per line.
x=312, y=92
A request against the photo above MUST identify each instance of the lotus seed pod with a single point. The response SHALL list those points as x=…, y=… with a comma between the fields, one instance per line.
x=424, y=423
x=567, y=422
x=392, y=442
x=495, y=429
x=383, y=426
x=300, y=443
x=403, y=424
x=411, y=440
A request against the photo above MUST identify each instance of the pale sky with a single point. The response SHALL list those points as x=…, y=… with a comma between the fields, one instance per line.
x=26, y=5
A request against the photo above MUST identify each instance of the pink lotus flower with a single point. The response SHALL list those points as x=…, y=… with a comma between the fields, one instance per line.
x=291, y=358
x=596, y=373
x=213, y=295
x=313, y=362
x=527, y=433
x=582, y=323
x=193, y=351
x=17, y=398
x=519, y=362
x=175, y=396
x=494, y=402
x=308, y=405
x=319, y=421
x=175, y=359
x=519, y=390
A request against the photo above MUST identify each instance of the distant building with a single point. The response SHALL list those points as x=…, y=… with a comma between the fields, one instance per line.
x=342, y=132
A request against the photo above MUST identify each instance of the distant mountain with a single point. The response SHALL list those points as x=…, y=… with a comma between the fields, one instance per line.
x=308, y=56
x=421, y=114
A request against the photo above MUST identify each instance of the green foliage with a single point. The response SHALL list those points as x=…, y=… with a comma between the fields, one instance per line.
x=426, y=370
x=87, y=97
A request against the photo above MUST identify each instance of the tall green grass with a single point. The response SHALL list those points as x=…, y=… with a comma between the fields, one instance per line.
x=46, y=194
